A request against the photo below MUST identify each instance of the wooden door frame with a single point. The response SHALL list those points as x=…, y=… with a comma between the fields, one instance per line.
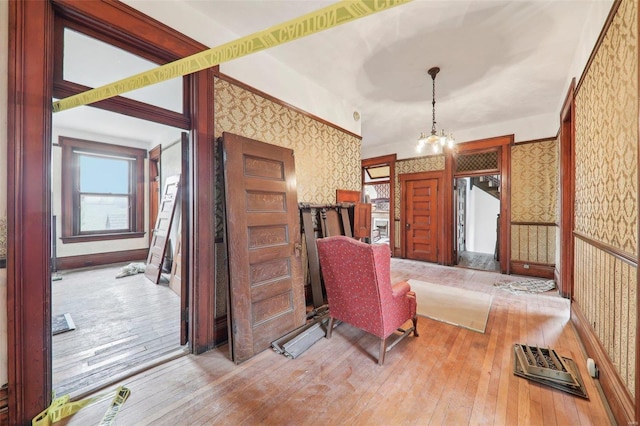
x=380, y=161
x=30, y=81
x=155, y=156
x=502, y=145
x=442, y=236
x=567, y=192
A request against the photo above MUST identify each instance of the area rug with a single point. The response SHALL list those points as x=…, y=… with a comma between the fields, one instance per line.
x=61, y=323
x=527, y=286
x=452, y=305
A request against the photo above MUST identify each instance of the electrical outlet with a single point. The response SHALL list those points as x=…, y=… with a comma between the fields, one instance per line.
x=525, y=266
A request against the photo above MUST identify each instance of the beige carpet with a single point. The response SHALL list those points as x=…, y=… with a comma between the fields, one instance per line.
x=457, y=306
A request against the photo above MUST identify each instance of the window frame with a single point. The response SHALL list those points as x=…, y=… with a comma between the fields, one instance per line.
x=70, y=189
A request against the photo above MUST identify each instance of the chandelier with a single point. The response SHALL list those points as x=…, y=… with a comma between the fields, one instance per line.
x=435, y=141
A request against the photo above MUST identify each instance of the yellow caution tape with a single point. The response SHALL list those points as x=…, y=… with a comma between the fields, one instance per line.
x=61, y=408
x=325, y=18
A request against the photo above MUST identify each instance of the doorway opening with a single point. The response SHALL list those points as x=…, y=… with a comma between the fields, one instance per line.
x=107, y=168
x=477, y=201
x=378, y=187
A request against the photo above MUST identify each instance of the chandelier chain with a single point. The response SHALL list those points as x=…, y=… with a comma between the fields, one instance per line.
x=433, y=105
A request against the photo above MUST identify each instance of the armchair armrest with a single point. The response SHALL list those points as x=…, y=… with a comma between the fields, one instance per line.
x=400, y=289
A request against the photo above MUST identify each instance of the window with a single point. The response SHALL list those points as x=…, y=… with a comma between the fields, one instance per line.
x=102, y=191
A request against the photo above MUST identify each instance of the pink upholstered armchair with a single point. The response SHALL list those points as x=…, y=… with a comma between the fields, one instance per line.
x=357, y=277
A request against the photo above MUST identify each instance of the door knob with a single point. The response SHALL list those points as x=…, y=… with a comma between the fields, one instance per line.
x=408, y=225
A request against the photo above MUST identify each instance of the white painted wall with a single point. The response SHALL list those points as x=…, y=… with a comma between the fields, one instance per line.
x=482, y=212
x=4, y=57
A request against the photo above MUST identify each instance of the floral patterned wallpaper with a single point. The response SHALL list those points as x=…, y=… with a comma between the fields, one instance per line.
x=606, y=159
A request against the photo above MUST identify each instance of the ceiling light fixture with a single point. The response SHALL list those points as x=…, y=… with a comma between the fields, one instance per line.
x=434, y=140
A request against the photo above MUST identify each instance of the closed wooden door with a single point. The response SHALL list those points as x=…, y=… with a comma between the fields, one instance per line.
x=421, y=219
x=263, y=236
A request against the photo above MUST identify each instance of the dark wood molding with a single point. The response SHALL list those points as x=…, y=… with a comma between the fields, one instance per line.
x=439, y=176
x=484, y=144
x=596, y=47
x=128, y=28
x=30, y=89
x=202, y=276
x=97, y=259
x=502, y=145
x=30, y=69
x=275, y=100
x=379, y=161
x=618, y=396
x=72, y=239
x=567, y=192
x=629, y=258
x=391, y=161
x=125, y=106
x=550, y=138
x=533, y=269
x=70, y=187
x=534, y=223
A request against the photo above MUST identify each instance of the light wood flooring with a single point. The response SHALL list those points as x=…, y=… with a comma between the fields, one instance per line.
x=121, y=324
x=447, y=376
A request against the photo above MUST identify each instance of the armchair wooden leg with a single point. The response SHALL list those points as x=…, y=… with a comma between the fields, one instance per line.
x=329, y=328
x=383, y=351
x=415, y=326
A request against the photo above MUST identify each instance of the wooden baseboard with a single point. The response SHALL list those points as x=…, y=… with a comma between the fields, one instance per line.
x=74, y=262
x=620, y=400
x=4, y=405
x=532, y=269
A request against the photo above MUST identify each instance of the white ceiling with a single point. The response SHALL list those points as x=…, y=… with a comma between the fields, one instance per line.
x=505, y=65
x=501, y=62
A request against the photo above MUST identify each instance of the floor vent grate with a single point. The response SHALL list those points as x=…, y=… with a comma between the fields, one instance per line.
x=545, y=366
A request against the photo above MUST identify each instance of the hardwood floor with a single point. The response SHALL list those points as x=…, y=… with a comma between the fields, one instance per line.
x=447, y=376
x=121, y=324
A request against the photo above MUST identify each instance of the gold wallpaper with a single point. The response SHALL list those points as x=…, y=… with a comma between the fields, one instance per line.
x=605, y=289
x=326, y=158
x=606, y=148
x=534, y=182
x=606, y=188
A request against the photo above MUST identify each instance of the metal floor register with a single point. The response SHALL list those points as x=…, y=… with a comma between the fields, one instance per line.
x=545, y=366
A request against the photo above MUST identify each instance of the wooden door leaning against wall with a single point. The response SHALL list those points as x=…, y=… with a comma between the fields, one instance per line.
x=265, y=268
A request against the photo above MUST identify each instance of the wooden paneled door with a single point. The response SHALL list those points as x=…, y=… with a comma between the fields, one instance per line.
x=420, y=199
x=263, y=235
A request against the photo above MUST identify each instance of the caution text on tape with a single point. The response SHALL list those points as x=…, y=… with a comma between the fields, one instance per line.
x=328, y=17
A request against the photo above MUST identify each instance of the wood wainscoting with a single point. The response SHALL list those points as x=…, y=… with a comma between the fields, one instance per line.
x=98, y=259
x=620, y=400
x=532, y=269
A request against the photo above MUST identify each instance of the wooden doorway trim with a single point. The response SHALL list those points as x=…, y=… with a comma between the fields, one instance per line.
x=31, y=47
x=439, y=176
x=155, y=156
x=567, y=192
x=502, y=145
x=391, y=161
